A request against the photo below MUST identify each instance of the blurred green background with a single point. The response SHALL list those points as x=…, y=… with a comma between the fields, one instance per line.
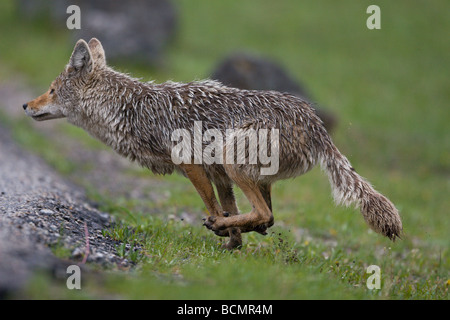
x=389, y=89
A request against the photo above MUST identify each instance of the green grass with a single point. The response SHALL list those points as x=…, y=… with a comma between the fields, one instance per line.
x=389, y=88
x=179, y=261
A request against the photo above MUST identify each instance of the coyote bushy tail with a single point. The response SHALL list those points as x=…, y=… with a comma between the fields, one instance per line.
x=350, y=188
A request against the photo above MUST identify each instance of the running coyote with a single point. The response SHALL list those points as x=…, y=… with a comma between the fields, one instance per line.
x=138, y=121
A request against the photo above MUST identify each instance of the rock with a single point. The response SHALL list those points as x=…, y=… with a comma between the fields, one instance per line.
x=46, y=211
x=135, y=29
x=246, y=71
x=78, y=253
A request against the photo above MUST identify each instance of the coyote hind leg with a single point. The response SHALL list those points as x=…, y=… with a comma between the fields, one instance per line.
x=259, y=219
x=227, y=199
x=265, y=191
x=266, y=194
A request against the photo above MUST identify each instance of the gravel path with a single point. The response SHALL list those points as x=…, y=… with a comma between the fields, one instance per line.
x=40, y=210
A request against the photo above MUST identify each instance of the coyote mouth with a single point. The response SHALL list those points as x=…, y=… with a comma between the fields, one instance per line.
x=42, y=116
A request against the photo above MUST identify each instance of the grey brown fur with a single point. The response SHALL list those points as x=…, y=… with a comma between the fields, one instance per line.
x=137, y=119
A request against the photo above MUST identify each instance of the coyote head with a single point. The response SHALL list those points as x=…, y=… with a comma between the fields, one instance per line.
x=63, y=97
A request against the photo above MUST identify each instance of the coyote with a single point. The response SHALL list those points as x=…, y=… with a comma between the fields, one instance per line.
x=137, y=119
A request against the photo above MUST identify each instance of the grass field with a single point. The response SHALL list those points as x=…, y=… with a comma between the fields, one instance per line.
x=390, y=90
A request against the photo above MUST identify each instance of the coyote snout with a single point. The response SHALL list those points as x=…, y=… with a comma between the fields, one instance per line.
x=44, y=107
x=138, y=121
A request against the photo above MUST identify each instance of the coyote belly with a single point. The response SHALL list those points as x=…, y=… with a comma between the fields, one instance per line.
x=138, y=120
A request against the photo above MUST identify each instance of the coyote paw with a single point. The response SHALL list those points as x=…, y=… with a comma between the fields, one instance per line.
x=215, y=224
x=261, y=228
x=230, y=245
x=222, y=232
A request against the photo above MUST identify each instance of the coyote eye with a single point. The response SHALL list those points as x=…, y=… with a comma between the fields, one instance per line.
x=52, y=91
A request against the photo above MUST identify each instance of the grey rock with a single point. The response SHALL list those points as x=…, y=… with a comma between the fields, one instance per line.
x=137, y=29
x=46, y=211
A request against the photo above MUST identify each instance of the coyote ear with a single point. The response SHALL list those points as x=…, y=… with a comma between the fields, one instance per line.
x=81, y=58
x=98, y=54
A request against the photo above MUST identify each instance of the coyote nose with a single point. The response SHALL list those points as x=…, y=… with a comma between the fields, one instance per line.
x=25, y=106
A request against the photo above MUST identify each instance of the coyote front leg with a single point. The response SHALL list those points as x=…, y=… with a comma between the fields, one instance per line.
x=203, y=185
x=266, y=191
x=228, y=201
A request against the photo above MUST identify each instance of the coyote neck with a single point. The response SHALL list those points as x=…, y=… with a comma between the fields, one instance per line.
x=123, y=113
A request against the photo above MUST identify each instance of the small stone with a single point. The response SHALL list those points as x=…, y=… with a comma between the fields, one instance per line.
x=77, y=253
x=98, y=256
x=46, y=211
